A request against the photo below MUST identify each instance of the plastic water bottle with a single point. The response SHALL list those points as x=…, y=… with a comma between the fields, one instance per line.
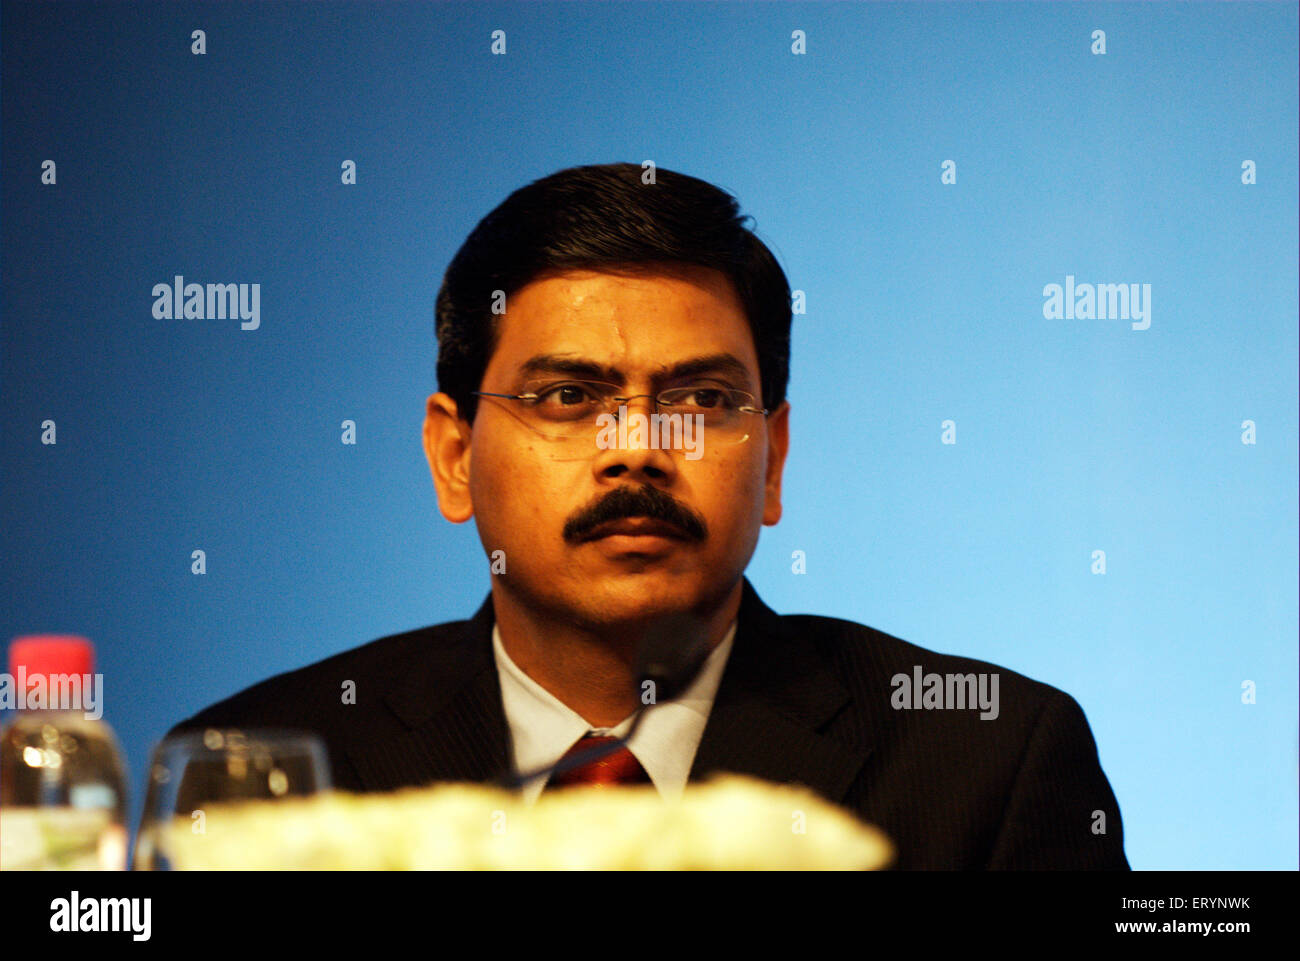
x=62, y=782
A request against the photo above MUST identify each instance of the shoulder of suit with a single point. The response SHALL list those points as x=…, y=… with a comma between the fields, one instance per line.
x=286, y=693
x=865, y=657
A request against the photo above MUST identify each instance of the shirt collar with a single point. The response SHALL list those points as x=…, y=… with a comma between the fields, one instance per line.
x=543, y=728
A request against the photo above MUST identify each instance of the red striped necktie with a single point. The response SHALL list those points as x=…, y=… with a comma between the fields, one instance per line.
x=617, y=767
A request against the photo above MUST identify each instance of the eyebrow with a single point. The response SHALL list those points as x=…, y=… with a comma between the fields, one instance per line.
x=724, y=363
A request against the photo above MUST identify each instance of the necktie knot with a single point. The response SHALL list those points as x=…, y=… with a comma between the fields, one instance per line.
x=617, y=767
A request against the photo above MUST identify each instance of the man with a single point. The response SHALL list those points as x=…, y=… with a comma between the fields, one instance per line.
x=588, y=305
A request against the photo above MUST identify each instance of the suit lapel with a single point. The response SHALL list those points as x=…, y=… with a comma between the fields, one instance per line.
x=453, y=725
x=776, y=695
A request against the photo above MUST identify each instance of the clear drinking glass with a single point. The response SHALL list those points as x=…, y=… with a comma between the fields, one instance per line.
x=190, y=771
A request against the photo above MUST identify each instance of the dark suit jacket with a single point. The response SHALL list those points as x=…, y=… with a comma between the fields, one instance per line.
x=803, y=699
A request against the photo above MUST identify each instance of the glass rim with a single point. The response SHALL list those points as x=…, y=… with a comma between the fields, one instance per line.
x=268, y=737
x=571, y=432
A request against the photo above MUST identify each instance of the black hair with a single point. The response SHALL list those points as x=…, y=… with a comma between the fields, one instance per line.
x=604, y=217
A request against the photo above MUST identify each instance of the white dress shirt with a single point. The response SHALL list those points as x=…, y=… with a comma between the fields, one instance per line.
x=543, y=728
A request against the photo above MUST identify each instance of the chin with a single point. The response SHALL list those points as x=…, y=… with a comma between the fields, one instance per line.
x=633, y=596
x=696, y=596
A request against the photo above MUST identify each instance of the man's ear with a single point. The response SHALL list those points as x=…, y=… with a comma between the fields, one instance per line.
x=446, y=446
x=778, y=444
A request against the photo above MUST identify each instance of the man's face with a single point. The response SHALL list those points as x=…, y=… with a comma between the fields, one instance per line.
x=543, y=505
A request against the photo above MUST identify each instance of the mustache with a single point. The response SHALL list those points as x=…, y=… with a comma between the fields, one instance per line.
x=644, y=501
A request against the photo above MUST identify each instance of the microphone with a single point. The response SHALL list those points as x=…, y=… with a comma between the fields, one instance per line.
x=670, y=655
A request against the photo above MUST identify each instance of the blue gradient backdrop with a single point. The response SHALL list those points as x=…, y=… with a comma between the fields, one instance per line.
x=924, y=304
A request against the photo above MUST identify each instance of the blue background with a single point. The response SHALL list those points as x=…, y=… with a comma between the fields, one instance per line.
x=924, y=304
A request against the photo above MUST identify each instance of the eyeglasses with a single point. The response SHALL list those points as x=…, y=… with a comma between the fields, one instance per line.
x=566, y=411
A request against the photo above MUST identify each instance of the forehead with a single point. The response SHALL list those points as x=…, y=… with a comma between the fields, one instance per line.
x=632, y=321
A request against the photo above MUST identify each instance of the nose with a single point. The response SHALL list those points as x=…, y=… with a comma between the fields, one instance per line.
x=645, y=403
x=636, y=456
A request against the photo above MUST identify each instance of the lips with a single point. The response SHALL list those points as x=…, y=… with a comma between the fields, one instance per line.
x=636, y=527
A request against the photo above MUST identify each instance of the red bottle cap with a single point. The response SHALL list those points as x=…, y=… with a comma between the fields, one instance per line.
x=51, y=654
